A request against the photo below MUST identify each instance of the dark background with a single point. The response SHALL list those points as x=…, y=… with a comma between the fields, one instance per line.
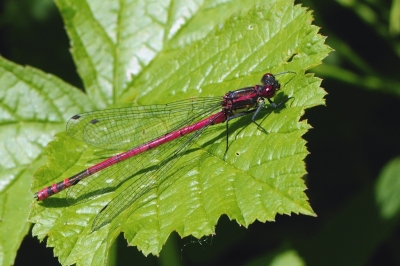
x=352, y=139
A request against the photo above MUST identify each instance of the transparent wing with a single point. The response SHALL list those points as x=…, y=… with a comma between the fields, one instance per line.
x=110, y=178
x=125, y=128
x=142, y=182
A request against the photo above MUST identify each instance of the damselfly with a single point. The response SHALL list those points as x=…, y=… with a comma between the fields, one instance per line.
x=164, y=128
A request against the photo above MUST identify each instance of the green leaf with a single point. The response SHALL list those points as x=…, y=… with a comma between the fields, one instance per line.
x=386, y=190
x=113, y=43
x=156, y=54
x=280, y=257
x=34, y=106
x=394, y=22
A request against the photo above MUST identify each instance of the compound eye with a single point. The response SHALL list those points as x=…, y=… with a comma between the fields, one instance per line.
x=269, y=91
x=268, y=78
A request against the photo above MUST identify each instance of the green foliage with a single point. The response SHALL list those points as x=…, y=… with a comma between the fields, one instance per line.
x=358, y=71
x=387, y=190
x=149, y=53
x=352, y=176
x=257, y=183
x=32, y=110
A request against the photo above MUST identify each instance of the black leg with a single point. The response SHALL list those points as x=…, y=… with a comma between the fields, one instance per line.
x=279, y=104
x=253, y=119
x=260, y=106
x=227, y=135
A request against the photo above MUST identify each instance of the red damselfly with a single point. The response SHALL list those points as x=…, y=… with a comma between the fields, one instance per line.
x=160, y=128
